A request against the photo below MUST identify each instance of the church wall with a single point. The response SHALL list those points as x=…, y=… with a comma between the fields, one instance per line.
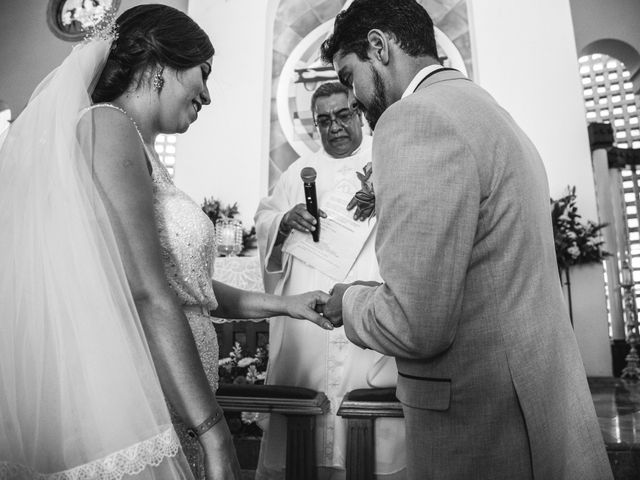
x=223, y=155
x=29, y=50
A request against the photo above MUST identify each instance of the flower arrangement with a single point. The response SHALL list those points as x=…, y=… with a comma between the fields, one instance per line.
x=365, y=199
x=216, y=210
x=240, y=368
x=575, y=242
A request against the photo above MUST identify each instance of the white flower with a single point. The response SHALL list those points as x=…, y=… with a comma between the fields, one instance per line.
x=224, y=361
x=248, y=417
x=67, y=18
x=245, y=362
x=573, y=251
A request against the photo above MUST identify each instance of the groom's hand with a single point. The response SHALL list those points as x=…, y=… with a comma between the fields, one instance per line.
x=333, y=307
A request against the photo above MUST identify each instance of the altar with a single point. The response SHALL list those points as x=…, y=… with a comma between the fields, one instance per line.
x=240, y=272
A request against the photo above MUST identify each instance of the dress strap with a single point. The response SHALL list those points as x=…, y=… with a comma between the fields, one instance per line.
x=150, y=157
x=115, y=107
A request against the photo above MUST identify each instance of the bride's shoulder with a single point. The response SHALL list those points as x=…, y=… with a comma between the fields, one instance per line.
x=110, y=124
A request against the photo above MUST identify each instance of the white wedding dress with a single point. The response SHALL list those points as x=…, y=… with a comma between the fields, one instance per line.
x=188, y=252
x=79, y=394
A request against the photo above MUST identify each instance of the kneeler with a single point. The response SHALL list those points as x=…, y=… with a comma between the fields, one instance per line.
x=361, y=408
x=299, y=405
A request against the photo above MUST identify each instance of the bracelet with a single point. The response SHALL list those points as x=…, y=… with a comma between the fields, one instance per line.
x=209, y=422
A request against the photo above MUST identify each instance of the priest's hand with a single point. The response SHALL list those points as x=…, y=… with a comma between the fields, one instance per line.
x=298, y=218
x=363, y=208
x=333, y=307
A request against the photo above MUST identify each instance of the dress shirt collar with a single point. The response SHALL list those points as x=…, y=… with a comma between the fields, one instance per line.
x=420, y=76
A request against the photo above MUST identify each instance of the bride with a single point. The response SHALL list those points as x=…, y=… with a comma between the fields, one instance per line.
x=106, y=267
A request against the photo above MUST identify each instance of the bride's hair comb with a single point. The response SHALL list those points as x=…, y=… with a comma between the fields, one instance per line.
x=103, y=28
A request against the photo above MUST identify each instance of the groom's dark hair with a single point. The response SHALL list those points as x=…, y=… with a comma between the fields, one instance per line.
x=406, y=20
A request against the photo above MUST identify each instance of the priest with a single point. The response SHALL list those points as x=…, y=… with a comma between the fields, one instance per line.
x=293, y=263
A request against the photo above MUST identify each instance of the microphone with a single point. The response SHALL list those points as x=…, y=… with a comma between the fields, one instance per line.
x=308, y=176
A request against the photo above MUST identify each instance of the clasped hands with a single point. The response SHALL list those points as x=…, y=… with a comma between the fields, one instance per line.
x=329, y=307
x=326, y=309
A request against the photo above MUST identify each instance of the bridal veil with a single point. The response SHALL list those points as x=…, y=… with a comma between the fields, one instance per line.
x=79, y=395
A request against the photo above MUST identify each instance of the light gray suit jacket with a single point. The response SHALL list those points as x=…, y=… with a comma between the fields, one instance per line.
x=490, y=375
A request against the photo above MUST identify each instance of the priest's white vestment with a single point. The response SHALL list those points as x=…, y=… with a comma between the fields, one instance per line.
x=300, y=353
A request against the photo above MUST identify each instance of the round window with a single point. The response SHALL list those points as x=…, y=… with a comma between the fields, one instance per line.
x=70, y=19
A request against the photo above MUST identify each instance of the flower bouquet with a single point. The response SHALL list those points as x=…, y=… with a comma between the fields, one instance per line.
x=365, y=199
x=239, y=368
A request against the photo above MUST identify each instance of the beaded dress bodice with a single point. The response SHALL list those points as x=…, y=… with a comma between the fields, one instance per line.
x=187, y=239
x=188, y=248
x=188, y=252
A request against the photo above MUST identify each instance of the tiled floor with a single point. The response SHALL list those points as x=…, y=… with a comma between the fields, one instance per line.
x=617, y=405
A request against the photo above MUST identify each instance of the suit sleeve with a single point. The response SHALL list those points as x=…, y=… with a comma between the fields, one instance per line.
x=427, y=202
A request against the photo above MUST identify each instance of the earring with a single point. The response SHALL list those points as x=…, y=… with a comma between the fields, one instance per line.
x=158, y=80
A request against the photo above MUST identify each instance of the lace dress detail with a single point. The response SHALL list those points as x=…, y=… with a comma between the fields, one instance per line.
x=129, y=461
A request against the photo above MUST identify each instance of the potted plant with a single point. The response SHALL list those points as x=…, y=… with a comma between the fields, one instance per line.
x=240, y=368
x=576, y=242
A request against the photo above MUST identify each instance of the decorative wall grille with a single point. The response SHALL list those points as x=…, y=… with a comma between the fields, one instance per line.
x=609, y=98
x=166, y=149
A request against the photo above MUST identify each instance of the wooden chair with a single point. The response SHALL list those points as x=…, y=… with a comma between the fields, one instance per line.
x=361, y=408
x=299, y=405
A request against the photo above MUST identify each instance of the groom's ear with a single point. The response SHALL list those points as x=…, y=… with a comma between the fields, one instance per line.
x=378, y=46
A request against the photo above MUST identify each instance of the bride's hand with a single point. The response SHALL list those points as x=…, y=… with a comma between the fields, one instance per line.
x=220, y=460
x=309, y=306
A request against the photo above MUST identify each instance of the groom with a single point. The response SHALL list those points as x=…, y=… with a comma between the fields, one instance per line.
x=490, y=377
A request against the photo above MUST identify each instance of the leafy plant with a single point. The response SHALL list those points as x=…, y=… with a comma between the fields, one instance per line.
x=240, y=368
x=365, y=199
x=575, y=242
x=215, y=210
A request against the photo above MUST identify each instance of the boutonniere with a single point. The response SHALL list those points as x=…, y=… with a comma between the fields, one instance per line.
x=364, y=200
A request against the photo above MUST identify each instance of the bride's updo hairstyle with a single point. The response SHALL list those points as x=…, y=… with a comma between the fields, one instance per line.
x=150, y=36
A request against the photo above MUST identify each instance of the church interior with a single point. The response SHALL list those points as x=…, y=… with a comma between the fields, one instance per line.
x=568, y=71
